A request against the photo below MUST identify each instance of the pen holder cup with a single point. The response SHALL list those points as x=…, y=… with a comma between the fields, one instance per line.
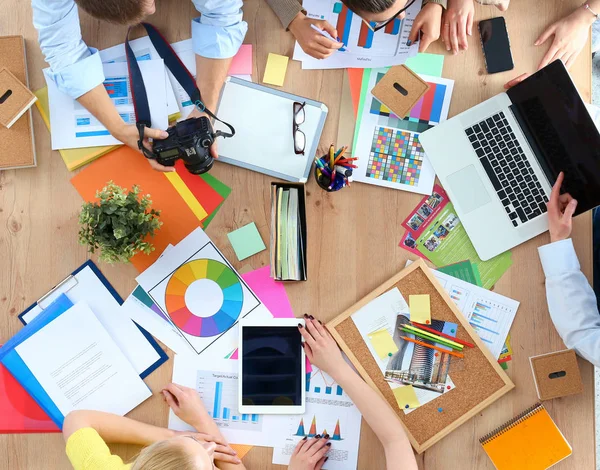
x=324, y=181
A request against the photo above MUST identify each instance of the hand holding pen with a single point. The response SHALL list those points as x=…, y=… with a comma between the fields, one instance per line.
x=316, y=37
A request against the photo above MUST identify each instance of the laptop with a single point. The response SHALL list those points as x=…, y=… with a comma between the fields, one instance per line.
x=499, y=160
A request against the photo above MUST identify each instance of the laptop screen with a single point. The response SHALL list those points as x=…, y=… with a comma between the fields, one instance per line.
x=554, y=117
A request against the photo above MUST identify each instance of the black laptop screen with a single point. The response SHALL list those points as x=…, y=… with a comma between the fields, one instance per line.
x=557, y=121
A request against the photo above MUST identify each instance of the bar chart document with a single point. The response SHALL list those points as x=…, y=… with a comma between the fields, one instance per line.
x=363, y=48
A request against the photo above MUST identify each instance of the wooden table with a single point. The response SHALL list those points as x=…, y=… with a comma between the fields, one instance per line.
x=38, y=234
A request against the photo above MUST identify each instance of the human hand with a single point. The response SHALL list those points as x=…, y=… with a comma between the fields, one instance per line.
x=310, y=454
x=570, y=36
x=457, y=24
x=214, y=148
x=428, y=22
x=311, y=42
x=515, y=81
x=222, y=451
x=320, y=347
x=186, y=404
x=129, y=135
x=561, y=208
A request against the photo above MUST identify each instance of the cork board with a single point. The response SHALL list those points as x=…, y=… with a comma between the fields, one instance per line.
x=400, y=89
x=479, y=381
x=556, y=374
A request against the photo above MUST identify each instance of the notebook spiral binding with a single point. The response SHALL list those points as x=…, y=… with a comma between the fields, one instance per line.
x=511, y=424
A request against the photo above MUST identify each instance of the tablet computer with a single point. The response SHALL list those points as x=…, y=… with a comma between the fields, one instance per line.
x=272, y=367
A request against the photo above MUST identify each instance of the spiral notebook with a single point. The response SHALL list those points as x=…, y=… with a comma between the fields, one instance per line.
x=530, y=441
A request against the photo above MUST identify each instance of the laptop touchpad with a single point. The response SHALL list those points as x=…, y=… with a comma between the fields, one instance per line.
x=467, y=189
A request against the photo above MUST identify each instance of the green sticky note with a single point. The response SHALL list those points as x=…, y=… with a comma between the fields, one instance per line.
x=383, y=343
x=420, y=308
x=427, y=64
x=246, y=241
x=406, y=396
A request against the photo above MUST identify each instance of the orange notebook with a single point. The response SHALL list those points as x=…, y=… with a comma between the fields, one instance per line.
x=530, y=441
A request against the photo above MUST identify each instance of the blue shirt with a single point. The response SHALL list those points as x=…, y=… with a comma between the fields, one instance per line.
x=77, y=68
x=571, y=300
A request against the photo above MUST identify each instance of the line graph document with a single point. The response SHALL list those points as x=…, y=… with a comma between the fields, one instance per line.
x=363, y=48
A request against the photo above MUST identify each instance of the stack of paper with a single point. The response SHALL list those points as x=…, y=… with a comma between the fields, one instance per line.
x=288, y=241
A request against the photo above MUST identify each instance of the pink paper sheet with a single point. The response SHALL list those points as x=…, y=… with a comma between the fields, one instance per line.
x=242, y=61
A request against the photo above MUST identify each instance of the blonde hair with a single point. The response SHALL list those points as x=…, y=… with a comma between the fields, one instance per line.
x=164, y=455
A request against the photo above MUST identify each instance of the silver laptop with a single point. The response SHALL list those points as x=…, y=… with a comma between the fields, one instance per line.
x=498, y=160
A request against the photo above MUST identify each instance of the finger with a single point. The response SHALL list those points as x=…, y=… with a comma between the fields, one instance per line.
x=308, y=351
x=225, y=449
x=226, y=458
x=320, y=454
x=320, y=328
x=470, y=23
x=570, y=209
x=299, y=446
x=549, y=57
x=215, y=439
x=545, y=35
x=516, y=80
x=214, y=151
x=414, y=32
x=326, y=42
x=175, y=390
x=310, y=443
x=462, y=35
x=454, y=37
x=553, y=202
x=446, y=34
x=568, y=60
x=155, y=133
x=565, y=198
x=171, y=401
x=312, y=329
x=320, y=463
x=307, y=336
x=158, y=167
x=318, y=48
x=426, y=40
x=326, y=26
x=318, y=446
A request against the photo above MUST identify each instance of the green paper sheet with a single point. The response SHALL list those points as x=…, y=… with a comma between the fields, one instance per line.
x=246, y=241
x=444, y=246
x=220, y=188
x=464, y=270
x=427, y=64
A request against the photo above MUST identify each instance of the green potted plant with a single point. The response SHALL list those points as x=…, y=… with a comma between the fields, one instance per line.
x=118, y=223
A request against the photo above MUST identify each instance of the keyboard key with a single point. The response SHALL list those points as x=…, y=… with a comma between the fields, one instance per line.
x=469, y=131
x=535, y=191
x=495, y=163
x=507, y=209
x=515, y=223
x=501, y=176
x=512, y=165
x=530, y=199
x=501, y=114
x=496, y=117
x=480, y=152
x=490, y=172
x=505, y=202
x=513, y=152
x=480, y=136
x=513, y=215
x=505, y=122
x=528, y=210
x=527, y=164
x=536, y=213
x=528, y=178
x=520, y=164
x=487, y=149
x=502, y=195
x=527, y=192
x=476, y=128
x=521, y=214
x=484, y=127
x=495, y=149
x=495, y=131
x=513, y=198
x=512, y=136
x=490, y=122
x=511, y=145
x=520, y=179
x=502, y=145
x=476, y=145
x=510, y=176
x=473, y=138
x=503, y=131
x=543, y=208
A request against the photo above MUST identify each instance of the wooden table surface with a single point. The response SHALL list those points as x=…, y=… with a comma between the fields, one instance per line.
x=38, y=233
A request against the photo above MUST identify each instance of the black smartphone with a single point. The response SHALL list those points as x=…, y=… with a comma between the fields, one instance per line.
x=496, y=45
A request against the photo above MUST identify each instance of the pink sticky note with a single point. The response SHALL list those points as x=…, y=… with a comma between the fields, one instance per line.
x=242, y=61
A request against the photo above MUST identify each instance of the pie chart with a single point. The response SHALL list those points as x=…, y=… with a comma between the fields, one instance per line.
x=217, y=322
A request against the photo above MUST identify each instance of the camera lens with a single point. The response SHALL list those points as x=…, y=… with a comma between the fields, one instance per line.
x=198, y=168
x=206, y=143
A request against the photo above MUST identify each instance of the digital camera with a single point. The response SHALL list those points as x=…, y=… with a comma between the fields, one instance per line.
x=189, y=140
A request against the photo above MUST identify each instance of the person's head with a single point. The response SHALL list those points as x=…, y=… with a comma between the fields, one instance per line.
x=177, y=453
x=128, y=12
x=377, y=11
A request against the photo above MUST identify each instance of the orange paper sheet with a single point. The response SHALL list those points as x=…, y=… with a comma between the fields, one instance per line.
x=127, y=167
x=355, y=78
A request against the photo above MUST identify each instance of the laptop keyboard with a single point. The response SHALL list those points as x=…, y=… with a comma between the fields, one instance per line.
x=508, y=169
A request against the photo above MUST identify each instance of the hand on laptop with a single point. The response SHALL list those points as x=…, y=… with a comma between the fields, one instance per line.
x=321, y=348
x=457, y=24
x=570, y=36
x=311, y=42
x=428, y=22
x=561, y=208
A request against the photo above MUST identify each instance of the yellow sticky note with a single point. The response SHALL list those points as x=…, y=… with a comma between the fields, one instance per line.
x=275, y=70
x=420, y=309
x=406, y=397
x=383, y=343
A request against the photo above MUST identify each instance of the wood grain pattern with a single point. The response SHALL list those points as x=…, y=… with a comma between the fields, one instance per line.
x=38, y=233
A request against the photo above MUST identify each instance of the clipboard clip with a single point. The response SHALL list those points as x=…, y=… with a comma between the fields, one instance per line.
x=55, y=289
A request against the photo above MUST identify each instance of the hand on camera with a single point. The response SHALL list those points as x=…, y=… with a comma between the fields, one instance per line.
x=129, y=135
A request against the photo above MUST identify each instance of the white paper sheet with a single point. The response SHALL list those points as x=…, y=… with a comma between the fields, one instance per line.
x=80, y=367
x=216, y=380
x=86, y=287
x=73, y=126
x=365, y=49
x=331, y=410
x=388, y=148
x=202, y=293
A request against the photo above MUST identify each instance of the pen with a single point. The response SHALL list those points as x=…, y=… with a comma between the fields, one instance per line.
x=452, y=353
x=444, y=335
x=430, y=337
x=325, y=34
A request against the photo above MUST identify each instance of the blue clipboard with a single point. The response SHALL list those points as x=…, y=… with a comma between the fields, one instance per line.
x=89, y=263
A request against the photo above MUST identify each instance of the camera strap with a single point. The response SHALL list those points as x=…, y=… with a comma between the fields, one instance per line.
x=179, y=71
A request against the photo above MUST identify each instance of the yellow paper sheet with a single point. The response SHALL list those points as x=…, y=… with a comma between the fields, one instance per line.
x=383, y=343
x=275, y=70
x=420, y=309
x=406, y=396
x=186, y=194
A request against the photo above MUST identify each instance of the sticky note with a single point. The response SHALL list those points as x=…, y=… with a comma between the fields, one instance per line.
x=275, y=70
x=246, y=241
x=420, y=309
x=406, y=396
x=383, y=343
x=242, y=61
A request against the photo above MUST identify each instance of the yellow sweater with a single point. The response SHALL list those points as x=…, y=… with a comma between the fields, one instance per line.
x=87, y=451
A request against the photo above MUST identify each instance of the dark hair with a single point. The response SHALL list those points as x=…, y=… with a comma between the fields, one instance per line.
x=114, y=11
x=369, y=6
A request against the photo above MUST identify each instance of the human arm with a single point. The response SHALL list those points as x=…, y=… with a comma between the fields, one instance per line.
x=427, y=23
x=323, y=352
x=570, y=35
x=458, y=24
x=187, y=405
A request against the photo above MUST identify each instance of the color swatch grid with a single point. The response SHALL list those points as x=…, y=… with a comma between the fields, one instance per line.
x=424, y=115
x=395, y=156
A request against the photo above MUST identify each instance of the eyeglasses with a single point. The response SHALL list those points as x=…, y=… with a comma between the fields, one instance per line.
x=377, y=25
x=299, y=136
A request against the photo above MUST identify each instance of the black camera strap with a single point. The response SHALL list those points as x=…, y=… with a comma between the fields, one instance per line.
x=179, y=71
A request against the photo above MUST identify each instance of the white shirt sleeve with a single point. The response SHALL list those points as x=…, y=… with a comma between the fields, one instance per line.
x=571, y=300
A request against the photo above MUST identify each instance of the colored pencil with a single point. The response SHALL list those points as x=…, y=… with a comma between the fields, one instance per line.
x=435, y=335
x=430, y=337
x=331, y=157
x=452, y=353
x=444, y=335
